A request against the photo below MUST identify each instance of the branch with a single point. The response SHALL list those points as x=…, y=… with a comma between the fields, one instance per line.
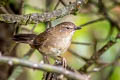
x=92, y=21
x=45, y=17
x=81, y=43
x=104, y=11
x=44, y=67
x=63, y=2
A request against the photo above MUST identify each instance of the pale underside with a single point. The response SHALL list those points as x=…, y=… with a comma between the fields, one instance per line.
x=54, y=45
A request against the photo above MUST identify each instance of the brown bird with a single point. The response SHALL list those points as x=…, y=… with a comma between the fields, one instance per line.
x=53, y=42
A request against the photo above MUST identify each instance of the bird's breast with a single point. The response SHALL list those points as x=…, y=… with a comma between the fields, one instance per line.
x=56, y=45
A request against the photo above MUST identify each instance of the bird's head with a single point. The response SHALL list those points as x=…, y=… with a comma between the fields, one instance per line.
x=67, y=27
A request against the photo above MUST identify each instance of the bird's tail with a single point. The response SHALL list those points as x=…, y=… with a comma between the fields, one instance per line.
x=24, y=38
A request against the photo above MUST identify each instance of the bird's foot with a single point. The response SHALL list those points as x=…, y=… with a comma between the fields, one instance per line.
x=61, y=61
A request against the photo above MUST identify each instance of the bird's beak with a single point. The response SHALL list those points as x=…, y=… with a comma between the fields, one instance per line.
x=77, y=28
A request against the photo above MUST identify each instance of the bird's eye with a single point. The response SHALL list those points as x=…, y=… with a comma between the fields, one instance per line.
x=67, y=27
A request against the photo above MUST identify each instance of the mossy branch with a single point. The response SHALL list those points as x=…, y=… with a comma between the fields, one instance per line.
x=45, y=17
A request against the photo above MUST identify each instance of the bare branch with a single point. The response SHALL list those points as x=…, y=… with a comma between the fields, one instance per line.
x=44, y=67
x=82, y=43
x=62, y=1
x=93, y=21
x=56, y=5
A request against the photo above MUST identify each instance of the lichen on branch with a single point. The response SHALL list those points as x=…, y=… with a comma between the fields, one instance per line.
x=45, y=17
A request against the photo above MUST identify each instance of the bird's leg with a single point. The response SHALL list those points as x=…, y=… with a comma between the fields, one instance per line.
x=45, y=59
x=62, y=60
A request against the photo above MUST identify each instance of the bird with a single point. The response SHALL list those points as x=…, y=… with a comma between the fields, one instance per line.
x=53, y=41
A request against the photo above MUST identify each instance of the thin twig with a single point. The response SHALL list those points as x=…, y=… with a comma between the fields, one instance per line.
x=63, y=2
x=104, y=11
x=77, y=55
x=32, y=30
x=21, y=7
x=103, y=66
x=56, y=5
x=91, y=22
x=81, y=43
